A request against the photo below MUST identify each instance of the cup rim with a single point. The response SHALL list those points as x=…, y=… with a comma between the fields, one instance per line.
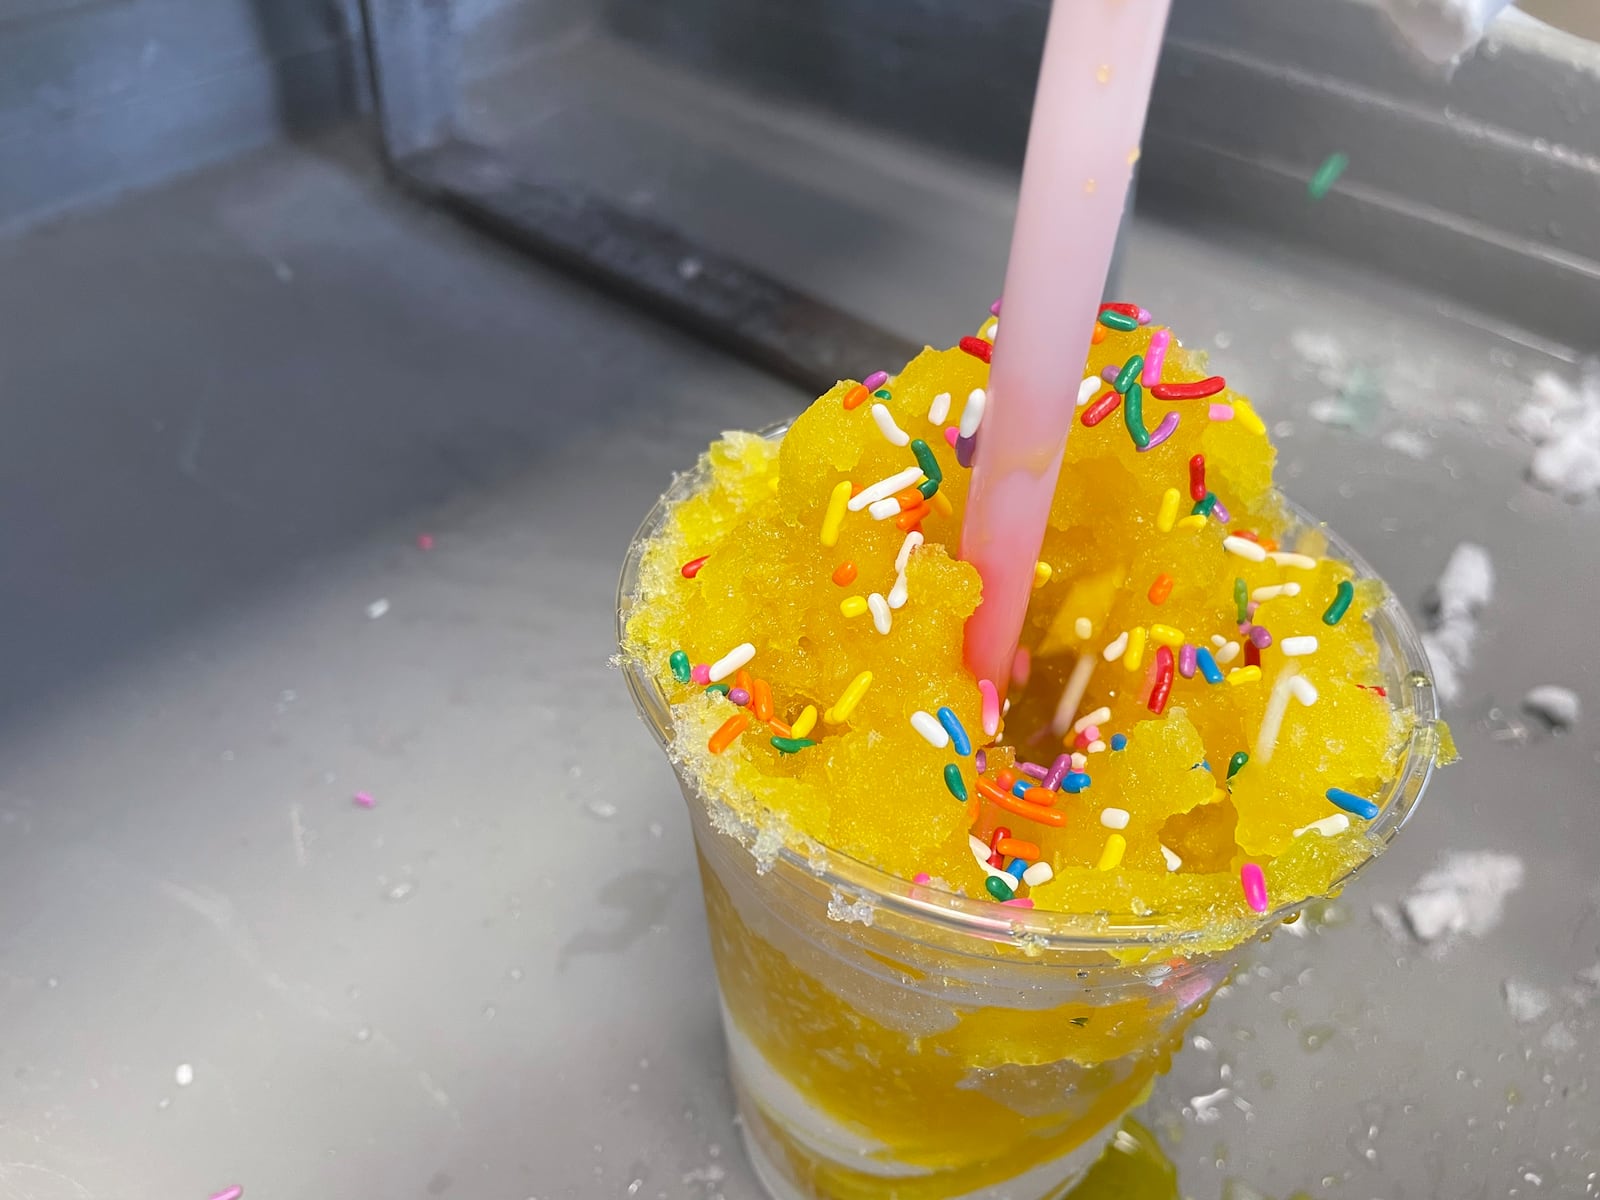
x=1411, y=691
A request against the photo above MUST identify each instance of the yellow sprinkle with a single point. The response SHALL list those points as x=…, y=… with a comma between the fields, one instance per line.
x=1111, y=856
x=1083, y=627
x=1244, y=675
x=1193, y=521
x=1041, y=574
x=1168, y=512
x=1134, y=658
x=840, y=712
x=941, y=504
x=1245, y=415
x=834, y=517
x=1218, y=795
x=1166, y=635
x=805, y=722
x=853, y=606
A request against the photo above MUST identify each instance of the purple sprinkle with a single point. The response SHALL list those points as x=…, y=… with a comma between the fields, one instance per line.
x=994, y=309
x=1259, y=637
x=983, y=755
x=1110, y=373
x=1033, y=770
x=1221, y=513
x=1221, y=412
x=739, y=696
x=1186, y=661
x=964, y=448
x=1058, y=771
x=1162, y=431
x=876, y=380
x=1144, y=316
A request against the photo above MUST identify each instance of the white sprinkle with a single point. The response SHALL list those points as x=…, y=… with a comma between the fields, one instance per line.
x=1284, y=559
x=972, y=414
x=1095, y=718
x=981, y=852
x=1115, y=650
x=1272, y=718
x=1228, y=652
x=1244, y=548
x=913, y=540
x=1114, y=818
x=1327, y=827
x=1078, y=761
x=1173, y=861
x=1039, y=873
x=184, y=1075
x=882, y=510
x=939, y=409
x=879, y=608
x=887, y=427
x=1304, y=690
x=1262, y=594
x=1072, y=694
x=1088, y=388
x=932, y=732
x=1218, y=640
x=884, y=488
x=732, y=661
x=1096, y=747
x=1298, y=647
x=993, y=330
x=376, y=609
x=1558, y=705
x=1084, y=628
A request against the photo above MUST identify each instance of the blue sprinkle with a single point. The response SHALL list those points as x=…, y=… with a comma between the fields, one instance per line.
x=1021, y=786
x=1015, y=868
x=1118, y=740
x=1352, y=803
x=1075, y=782
x=958, y=736
x=1208, y=665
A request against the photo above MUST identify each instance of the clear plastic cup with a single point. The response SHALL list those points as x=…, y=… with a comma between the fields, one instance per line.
x=890, y=1039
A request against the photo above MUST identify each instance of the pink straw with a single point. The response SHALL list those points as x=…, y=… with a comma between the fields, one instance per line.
x=1088, y=115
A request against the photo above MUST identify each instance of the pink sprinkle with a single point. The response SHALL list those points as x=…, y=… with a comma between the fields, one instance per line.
x=1250, y=609
x=700, y=673
x=363, y=799
x=994, y=309
x=1144, y=316
x=1091, y=734
x=1186, y=661
x=1156, y=356
x=1034, y=770
x=876, y=380
x=1018, y=902
x=1021, y=667
x=1255, y=887
x=922, y=877
x=424, y=541
x=1109, y=372
x=1163, y=431
x=991, y=707
x=231, y=1193
x=951, y=433
x=1221, y=412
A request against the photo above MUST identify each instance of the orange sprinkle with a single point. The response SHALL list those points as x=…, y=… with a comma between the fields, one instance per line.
x=781, y=728
x=1007, y=778
x=908, y=498
x=730, y=729
x=911, y=518
x=1005, y=800
x=844, y=574
x=1161, y=589
x=1043, y=797
x=1017, y=848
x=1099, y=334
x=744, y=680
x=1270, y=545
x=856, y=489
x=856, y=397
x=1248, y=535
x=942, y=505
x=761, y=700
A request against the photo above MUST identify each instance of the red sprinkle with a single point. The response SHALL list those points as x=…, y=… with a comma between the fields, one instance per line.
x=1197, y=478
x=692, y=568
x=1127, y=310
x=1163, y=687
x=1249, y=535
x=1101, y=409
x=1372, y=687
x=1252, y=654
x=977, y=347
x=1188, y=391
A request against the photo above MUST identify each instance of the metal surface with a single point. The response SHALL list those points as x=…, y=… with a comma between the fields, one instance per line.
x=233, y=405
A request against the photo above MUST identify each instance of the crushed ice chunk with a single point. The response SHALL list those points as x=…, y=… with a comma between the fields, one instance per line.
x=1465, y=586
x=1466, y=893
x=1559, y=706
x=377, y=608
x=1563, y=421
x=842, y=908
x=1525, y=1002
x=1409, y=443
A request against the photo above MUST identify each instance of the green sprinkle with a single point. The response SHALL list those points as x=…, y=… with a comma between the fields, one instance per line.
x=1237, y=761
x=1203, y=507
x=720, y=687
x=1112, y=319
x=927, y=461
x=1341, y=603
x=1129, y=373
x=680, y=666
x=1133, y=413
x=998, y=888
x=953, y=781
x=928, y=487
x=1327, y=175
x=1241, y=598
x=884, y=394
x=792, y=745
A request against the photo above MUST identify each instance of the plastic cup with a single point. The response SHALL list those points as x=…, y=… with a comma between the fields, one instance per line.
x=886, y=1038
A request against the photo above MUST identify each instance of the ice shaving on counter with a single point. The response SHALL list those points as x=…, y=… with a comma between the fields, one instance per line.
x=1195, y=727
